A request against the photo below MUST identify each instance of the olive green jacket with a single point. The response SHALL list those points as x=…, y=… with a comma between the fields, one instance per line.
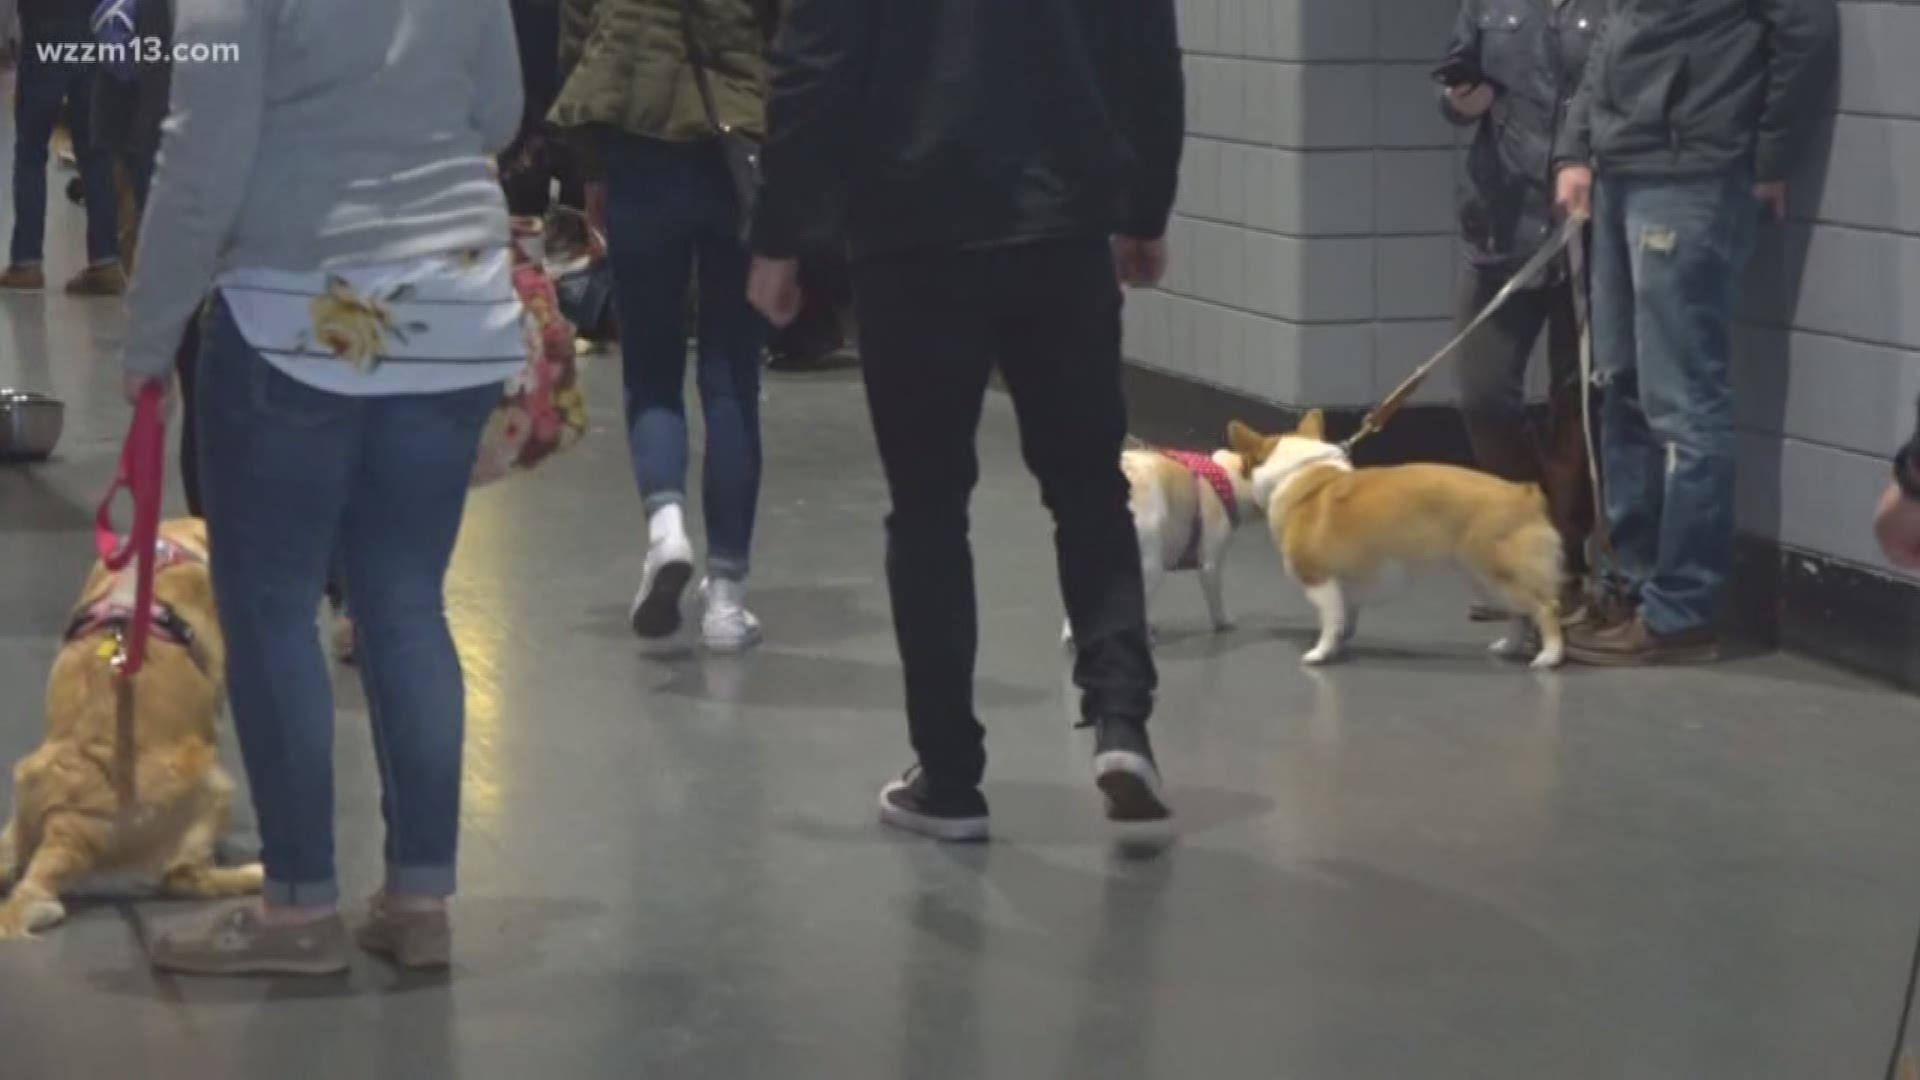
x=623, y=64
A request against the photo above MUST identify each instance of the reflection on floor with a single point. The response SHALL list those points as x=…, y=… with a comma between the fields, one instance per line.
x=1420, y=864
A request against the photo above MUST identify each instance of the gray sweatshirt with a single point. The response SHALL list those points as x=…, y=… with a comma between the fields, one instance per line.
x=343, y=132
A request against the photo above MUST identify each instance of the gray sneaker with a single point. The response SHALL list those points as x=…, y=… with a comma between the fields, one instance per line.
x=236, y=942
x=416, y=940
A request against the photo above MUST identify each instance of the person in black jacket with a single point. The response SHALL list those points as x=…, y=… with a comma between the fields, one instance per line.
x=1691, y=117
x=1531, y=54
x=997, y=164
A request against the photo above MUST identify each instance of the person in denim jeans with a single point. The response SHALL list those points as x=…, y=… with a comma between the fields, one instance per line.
x=332, y=188
x=672, y=214
x=46, y=83
x=1690, y=118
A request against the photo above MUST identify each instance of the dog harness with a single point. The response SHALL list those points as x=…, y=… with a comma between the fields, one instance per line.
x=1207, y=473
x=113, y=612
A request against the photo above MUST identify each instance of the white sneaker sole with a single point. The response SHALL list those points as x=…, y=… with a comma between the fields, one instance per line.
x=730, y=643
x=949, y=830
x=656, y=610
x=1132, y=787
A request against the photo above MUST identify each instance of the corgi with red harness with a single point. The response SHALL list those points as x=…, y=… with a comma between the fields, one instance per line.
x=1186, y=507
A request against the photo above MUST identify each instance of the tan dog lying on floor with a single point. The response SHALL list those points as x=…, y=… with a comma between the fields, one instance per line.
x=1341, y=530
x=127, y=786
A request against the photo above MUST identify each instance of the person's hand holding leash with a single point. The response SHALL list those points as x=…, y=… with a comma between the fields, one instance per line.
x=773, y=288
x=135, y=385
x=1573, y=191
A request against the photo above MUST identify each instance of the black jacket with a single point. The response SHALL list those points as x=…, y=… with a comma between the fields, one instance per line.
x=947, y=124
x=1679, y=87
x=1534, y=51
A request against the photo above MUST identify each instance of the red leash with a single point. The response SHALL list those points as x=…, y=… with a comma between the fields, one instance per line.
x=142, y=472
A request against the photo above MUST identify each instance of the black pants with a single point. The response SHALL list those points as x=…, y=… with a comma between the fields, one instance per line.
x=933, y=328
x=186, y=363
x=1492, y=369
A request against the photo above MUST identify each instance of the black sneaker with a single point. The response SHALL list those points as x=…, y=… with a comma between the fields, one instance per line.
x=912, y=804
x=1124, y=769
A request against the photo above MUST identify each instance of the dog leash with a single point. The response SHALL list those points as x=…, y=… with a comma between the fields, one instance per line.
x=141, y=474
x=1589, y=382
x=1527, y=274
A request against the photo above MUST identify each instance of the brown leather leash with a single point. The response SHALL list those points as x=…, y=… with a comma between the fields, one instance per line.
x=1528, y=273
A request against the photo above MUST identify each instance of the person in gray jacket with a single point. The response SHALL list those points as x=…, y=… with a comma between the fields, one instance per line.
x=1691, y=118
x=1529, y=56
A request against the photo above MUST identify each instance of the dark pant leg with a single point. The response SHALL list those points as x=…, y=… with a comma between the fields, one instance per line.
x=1633, y=464
x=655, y=208
x=732, y=338
x=38, y=94
x=402, y=517
x=96, y=171
x=930, y=354
x=1691, y=237
x=186, y=365
x=1491, y=372
x=278, y=458
x=1563, y=467
x=1057, y=322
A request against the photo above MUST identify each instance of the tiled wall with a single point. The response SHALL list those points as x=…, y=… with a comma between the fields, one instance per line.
x=1828, y=366
x=1313, y=252
x=1314, y=259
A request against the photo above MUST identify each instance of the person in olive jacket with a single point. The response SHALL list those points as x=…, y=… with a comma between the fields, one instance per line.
x=1531, y=54
x=630, y=91
x=1691, y=118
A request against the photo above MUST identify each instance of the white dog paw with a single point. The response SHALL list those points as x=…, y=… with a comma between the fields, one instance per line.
x=1511, y=648
x=1319, y=655
x=1548, y=660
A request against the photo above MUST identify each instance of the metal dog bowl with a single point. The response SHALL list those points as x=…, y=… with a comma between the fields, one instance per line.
x=30, y=425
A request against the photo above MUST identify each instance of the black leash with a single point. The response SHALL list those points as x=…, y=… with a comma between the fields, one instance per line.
x=1898, y=1054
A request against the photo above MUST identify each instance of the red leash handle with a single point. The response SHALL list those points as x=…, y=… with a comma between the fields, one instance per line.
x=141, y=474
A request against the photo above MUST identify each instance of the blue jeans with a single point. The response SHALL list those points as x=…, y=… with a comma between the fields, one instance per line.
x=670, y=216
x=1667, y=257
x=288, y=472
x=40, y=89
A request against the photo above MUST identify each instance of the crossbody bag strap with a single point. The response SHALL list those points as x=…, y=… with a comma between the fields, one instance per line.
x=697, y=58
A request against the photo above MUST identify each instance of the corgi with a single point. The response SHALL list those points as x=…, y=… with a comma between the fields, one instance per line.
x=1186, y=507
x=1341, y=529
x=126, y=787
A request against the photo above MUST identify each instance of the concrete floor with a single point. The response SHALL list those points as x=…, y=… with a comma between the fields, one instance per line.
x=1420, y=864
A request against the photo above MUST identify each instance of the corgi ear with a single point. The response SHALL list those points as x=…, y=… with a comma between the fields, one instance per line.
x=1243, y=440
x=1313, y=425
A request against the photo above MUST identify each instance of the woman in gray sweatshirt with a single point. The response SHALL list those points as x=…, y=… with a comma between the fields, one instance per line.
x=325, y=173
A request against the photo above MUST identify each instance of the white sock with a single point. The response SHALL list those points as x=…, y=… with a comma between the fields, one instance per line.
x=667, y=523
x=726, y=592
